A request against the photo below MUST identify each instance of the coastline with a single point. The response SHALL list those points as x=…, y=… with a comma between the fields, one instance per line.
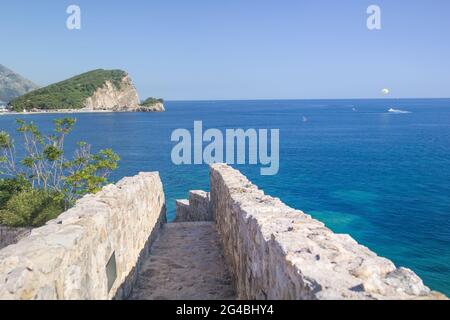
x=58, y=111
x=70, y=111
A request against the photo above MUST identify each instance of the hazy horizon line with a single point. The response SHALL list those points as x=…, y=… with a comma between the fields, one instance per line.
x=300, y=99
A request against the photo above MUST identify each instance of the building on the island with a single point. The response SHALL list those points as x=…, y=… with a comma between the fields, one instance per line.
x=3, y=106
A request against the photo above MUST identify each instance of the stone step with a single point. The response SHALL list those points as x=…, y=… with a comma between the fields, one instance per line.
x=185, y=263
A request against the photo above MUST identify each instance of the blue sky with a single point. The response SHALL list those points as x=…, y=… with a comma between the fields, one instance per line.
x=237, y=49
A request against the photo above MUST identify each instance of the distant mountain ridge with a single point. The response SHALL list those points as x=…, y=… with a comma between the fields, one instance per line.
x=13, y=85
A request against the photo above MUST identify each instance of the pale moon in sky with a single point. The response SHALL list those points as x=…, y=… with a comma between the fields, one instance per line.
x=385, y=91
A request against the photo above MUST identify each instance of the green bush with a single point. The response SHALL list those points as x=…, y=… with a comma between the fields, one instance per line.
x=10, y=187
x=31, y=208
x=44, y=182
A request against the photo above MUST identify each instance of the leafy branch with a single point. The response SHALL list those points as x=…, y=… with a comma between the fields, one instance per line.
x=45, y=169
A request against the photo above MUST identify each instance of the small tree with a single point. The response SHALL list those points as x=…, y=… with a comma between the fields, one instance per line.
x=46, y=170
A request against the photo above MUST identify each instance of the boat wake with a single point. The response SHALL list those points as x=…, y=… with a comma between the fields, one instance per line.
x=397, y=111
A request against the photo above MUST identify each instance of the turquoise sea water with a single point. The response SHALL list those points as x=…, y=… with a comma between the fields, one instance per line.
x=379, y=176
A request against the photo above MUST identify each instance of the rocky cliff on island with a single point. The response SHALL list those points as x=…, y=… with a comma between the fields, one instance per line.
x=121, y=96
x=94, y=91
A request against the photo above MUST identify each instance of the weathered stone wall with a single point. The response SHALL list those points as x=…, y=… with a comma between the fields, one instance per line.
x=276, y=252
x=9, y=236
x=197, y=208
x=183, y=210
x=68, y=258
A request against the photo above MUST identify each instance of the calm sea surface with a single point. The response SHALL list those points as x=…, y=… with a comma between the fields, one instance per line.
x=384, y=178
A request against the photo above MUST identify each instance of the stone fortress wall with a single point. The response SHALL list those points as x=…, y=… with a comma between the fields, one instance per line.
x=196, y=208
x=9, y=236
x=276, y=252
x=92, y=251
x=96, y=249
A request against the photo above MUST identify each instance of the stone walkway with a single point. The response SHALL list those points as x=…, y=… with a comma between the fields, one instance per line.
x=185, y=263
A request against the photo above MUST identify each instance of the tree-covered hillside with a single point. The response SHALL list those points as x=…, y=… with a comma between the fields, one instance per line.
x=68, y=94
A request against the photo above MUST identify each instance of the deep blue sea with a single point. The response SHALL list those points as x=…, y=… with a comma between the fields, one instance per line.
x=384, y=178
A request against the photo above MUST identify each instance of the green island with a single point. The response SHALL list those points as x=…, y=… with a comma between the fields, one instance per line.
x=150, y=102
x=67, y=94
